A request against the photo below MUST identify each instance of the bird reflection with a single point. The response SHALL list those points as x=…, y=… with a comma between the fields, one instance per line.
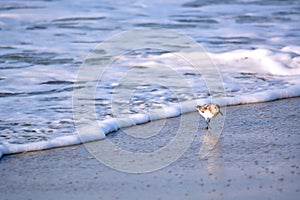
x=210, y=151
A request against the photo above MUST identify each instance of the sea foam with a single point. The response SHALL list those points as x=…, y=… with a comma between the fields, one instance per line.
x=283, y=62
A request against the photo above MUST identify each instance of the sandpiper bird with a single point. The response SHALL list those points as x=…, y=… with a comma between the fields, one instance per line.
x=208, y=111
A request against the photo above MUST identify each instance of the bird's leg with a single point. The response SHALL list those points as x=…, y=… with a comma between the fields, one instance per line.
x=207, y=123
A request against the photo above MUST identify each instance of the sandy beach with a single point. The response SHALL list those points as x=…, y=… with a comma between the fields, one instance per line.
x=256, y=157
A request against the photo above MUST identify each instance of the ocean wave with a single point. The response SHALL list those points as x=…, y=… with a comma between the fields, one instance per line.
x=283, y=62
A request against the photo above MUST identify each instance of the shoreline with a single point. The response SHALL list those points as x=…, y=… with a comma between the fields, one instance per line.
x=71, y=140
x=257, y=156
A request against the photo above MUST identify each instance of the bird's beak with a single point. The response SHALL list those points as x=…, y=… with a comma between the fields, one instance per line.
x=221, y=113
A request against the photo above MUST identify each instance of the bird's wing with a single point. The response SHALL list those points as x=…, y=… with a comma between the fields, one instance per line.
x=203, y=108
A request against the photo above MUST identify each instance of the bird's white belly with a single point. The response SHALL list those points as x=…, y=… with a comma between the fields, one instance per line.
x=207, y=114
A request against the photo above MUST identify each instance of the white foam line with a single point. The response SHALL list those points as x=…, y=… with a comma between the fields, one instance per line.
x=42, y=145
x=292, y=91
x=173, y=110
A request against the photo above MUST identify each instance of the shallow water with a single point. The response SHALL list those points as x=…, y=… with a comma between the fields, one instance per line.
x=255, y=44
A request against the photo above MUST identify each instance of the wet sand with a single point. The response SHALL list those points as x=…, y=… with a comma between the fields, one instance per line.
x=256, y=157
